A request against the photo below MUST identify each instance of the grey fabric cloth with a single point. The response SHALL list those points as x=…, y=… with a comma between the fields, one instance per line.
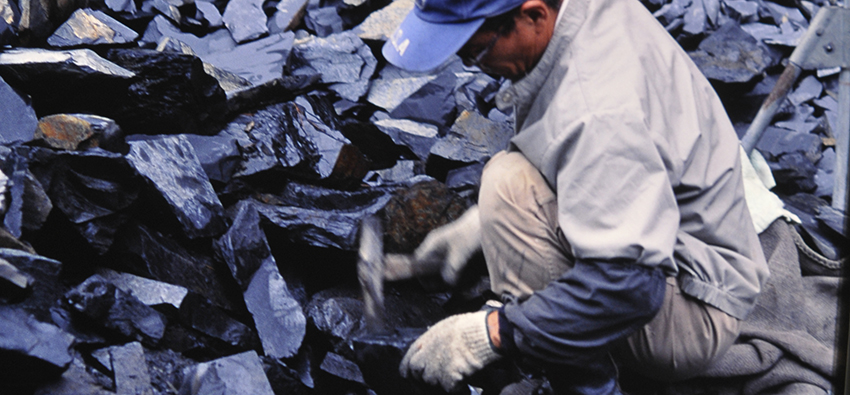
x=786, y=345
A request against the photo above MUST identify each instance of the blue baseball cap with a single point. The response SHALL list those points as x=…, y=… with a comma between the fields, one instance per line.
x=436, y=29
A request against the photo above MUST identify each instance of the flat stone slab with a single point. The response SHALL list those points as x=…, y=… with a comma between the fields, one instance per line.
x=91, y=27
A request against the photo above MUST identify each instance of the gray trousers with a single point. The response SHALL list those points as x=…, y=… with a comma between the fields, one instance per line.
x=525, y=250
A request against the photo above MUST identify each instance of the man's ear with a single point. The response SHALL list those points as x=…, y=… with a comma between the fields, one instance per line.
x=536, y=11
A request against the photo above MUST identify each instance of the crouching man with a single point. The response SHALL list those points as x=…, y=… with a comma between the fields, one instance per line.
x=615, y=226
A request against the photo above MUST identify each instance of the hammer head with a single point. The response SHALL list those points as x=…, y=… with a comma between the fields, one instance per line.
x=370, y=272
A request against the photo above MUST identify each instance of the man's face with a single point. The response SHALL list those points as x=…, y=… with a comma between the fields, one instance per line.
x=512, y=54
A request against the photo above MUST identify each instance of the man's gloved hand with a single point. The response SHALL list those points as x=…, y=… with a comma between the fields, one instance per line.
x=450, y=351
x=452, y=245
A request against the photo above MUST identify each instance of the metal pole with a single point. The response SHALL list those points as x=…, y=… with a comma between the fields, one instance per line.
x=842, y=141
x=786, y=81
x=770, y=106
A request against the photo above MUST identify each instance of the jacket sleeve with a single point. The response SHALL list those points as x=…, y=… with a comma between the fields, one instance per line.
x=575, y=318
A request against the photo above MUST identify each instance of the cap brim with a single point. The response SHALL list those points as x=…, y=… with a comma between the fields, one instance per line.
x=419, y=45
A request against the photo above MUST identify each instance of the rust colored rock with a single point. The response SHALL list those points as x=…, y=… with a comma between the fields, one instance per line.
x=415, y=211
x=74, y=132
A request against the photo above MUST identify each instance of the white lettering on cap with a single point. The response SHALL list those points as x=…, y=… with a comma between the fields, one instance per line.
x=420, y=4
x=399, y=47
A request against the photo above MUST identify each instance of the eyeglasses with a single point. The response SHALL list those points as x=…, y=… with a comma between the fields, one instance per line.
x=475, y=60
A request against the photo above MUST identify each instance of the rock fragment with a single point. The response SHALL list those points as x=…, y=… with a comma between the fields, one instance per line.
x=74, y=132
x=245, y=20
x=418, y=137
x=32, y=351
x=145, y=252
x=288, y=138
x=46, y=286
x=130, y=369
x=473, y=138
x=171, y=95
x=415, y=211
x=18, y=121
x=259, y=62
x=277, y=316
x=324, y=21
x=148, y=291
x=776, y=142
x=731, y=55
x=198, y=313
x=171, y=165
x=91, y=27
x=380, y=24
x=113, y=309
x=160, y=27
x=207, y=11
x=339, y=366
x=321, y=222
x=288, y=14
x=343, y=60
x=239, y=374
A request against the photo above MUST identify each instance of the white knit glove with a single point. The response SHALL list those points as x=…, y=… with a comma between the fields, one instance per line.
x=450, y=351
x=452, y=245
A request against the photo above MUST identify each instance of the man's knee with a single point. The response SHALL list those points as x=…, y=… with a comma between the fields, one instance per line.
x=504, y=178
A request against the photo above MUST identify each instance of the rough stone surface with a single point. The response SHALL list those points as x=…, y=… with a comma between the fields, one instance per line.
x=161, y=27
x=46, y=288
x=381, y=24
x=324, y=21
x=198, y=313
x=290, y=138
x=731, y=55
x=415, y=211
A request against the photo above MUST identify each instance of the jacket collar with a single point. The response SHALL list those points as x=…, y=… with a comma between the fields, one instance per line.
x=521, y=94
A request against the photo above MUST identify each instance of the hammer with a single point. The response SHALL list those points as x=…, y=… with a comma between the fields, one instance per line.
x=374, y=267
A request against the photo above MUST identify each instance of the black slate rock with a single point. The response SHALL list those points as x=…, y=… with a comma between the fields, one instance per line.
x=31, y=351
x=116, y=310
x=171, y=94
x=18, y=121
x=343, y=60
x=171, y=165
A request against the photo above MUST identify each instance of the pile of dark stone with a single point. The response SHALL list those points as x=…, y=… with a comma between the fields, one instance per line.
x=186, y=181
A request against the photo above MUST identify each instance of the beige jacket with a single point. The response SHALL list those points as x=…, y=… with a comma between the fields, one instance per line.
x=641, y=154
